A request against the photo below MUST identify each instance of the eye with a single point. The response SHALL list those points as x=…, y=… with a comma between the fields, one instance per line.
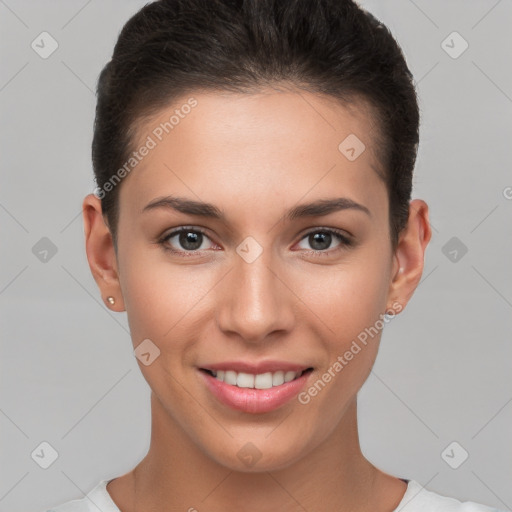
x=188, y=239
x=321, y=238
x=191, y=240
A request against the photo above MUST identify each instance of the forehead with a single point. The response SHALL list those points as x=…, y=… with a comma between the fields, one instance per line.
x=232, y=148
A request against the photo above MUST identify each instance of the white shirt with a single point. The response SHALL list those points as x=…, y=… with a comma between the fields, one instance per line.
x=415, y=499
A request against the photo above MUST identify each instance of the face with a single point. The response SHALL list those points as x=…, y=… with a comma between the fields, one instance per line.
x=256, y=289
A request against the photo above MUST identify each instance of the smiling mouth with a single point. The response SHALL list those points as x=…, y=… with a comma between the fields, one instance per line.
x=265, y=380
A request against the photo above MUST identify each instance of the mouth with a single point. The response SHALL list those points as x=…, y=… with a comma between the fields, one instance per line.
x=265, y=380
x=254, y=391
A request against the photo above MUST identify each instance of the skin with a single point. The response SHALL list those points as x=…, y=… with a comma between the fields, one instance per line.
x=254, y=157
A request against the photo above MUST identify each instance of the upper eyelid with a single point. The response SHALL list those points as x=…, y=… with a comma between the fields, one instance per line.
x=336, y=231
x=344, y=237
x=180, y=229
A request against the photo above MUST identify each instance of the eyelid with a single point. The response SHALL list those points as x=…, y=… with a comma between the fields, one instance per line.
x=176, y=231
x=346, y=241
x=345, y=238
x=341, y=232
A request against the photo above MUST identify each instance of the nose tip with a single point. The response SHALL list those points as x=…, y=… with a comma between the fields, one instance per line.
x=254, y=302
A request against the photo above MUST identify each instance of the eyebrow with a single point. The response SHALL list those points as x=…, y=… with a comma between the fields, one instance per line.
x=317, y=208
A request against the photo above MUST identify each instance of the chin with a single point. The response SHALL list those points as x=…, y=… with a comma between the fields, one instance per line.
x=257, y=456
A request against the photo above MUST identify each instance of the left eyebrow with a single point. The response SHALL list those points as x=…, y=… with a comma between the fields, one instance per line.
x=325, y=207
x=317, y=208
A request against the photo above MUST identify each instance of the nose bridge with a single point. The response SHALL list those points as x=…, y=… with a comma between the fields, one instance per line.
x=255, y=302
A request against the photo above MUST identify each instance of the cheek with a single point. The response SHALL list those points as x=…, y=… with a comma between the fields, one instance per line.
x=350, y=303
x=160, y=302
x=346, y=298
x=347, y=303
x=163, y=299
x=166, y=304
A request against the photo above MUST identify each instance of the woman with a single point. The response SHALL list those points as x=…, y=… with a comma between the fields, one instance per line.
x=254, y=165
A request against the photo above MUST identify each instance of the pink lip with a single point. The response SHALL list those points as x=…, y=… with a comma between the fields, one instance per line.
x=251, y=400
x=256, y=368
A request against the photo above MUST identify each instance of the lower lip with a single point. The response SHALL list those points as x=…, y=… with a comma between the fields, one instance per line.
x=254, y=400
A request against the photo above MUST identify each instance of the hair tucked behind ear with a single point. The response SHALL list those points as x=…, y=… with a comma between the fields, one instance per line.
x=174, y=47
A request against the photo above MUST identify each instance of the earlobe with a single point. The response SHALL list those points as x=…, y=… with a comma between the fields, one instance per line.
x=410, y=253
x=100, y=252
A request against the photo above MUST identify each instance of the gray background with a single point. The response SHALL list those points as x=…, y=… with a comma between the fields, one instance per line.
x=68, y=374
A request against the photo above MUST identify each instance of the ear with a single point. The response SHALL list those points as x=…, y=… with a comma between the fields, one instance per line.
x=409, y=256
x=100, y=251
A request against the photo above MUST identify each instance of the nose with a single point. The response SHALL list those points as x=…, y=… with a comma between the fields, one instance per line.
x=255, y=301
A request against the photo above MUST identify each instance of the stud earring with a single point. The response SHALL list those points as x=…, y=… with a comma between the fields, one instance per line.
x=111, y=300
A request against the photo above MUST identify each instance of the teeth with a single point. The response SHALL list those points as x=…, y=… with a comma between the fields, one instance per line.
x=263, y=380
x=259, y=381
x=278, y=378
x=245, y=380
x=288, y=376
x=229, y=378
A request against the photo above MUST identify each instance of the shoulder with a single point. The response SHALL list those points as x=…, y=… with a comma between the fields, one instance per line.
x=96, y=499
x=419, y=499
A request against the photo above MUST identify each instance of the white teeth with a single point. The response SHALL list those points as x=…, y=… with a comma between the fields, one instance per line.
x=260, y=381
x=245, y=380
x=263, y=381
x=229, y=377
x=288, y=376
x=278, y=378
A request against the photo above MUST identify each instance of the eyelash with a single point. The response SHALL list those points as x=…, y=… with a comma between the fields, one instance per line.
x=345, y=242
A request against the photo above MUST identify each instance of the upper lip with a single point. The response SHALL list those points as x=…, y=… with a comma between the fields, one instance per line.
x=256, y=368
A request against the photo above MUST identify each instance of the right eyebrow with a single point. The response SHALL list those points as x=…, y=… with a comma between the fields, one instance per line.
x=187, y=206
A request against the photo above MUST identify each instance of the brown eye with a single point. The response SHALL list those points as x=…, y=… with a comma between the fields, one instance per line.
x=320, y=240
x=185, y=240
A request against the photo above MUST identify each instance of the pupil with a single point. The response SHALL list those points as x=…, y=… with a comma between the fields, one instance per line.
x=316, y=238
x=189, y=240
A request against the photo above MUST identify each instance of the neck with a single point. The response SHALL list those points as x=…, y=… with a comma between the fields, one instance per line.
x=336, y=474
